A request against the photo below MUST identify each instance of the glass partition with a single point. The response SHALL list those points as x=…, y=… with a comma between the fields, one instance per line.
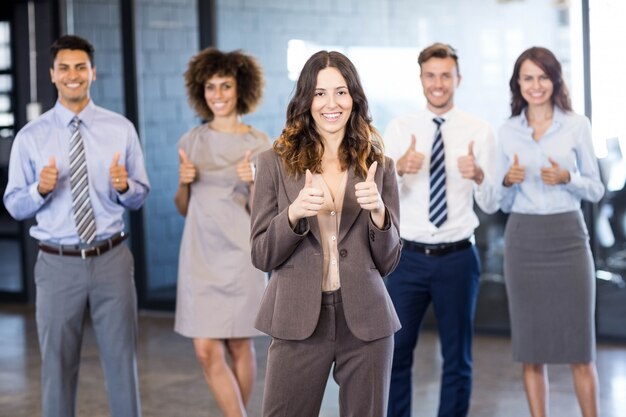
x=11, y=259
x=383, y=39
x=167, y=37
x=608, y=98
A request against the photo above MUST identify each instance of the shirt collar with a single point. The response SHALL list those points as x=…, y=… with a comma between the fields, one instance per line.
x=445, y=116
x=65, y=115
x=558, y=116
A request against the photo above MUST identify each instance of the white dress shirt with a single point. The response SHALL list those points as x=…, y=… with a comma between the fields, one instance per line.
x=458, y=130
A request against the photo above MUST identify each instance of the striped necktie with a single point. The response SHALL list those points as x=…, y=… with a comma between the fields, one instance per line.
x=79, y=184
x=438, y=210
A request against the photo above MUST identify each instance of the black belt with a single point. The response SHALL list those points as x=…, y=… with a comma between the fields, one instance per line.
x=436, y=249
x=331, y=297
x=98, y=248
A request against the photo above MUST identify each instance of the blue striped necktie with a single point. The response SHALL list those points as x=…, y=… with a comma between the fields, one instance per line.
x=79, y=185
x=438, y=209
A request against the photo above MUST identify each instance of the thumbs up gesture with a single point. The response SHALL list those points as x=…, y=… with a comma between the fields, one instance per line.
x=308, y=203
x=369, y=198
x=246, y=169
x=553, y=174
x=367, y=194
x=515, y=174
x=48, y=178
x=468, y=167
x=411, y=162
x=187, y=171
x=118, y=174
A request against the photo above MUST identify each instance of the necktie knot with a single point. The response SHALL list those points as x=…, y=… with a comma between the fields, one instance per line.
x=439, y=120
x=74, y=123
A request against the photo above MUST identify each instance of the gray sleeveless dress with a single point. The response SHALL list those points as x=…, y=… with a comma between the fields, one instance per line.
x=219, y=290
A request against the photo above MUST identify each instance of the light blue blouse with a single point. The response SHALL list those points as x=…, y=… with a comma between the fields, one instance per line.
x=567, y=142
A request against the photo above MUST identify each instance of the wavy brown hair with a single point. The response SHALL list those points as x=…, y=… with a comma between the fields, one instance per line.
x=300, y=146
x=211, y=61
x=545, y=60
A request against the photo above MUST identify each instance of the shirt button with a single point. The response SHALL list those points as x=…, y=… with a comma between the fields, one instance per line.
x=334, y=262
x=332, y=213
x=333, y=238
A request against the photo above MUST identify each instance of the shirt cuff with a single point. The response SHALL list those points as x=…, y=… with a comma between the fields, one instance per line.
x=386, y=223
x=34, y=193
x=122, y=197
x=575, y=182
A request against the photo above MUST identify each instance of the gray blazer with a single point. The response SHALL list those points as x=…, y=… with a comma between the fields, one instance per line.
x=291, y=304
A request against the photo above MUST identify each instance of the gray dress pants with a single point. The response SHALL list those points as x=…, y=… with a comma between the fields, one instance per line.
x=68, y=287
x=297, y=370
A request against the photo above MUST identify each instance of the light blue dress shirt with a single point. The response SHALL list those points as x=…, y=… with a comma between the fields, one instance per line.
x=103, y=133
x=567, y=142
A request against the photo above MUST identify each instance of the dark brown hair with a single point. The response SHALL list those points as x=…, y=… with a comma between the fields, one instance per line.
x=72, y=42
x=438, y=50
x=300, y=145
x=211, y=61
x=545, y=60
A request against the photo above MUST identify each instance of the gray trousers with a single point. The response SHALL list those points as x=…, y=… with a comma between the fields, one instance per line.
x=297, y=370
x=65, y=287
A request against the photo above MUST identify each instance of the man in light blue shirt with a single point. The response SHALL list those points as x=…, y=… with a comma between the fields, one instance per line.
x=76, y=169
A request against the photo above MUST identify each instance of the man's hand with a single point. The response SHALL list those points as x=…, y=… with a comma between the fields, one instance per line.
x=118, y=174
x=468, y=167
x=411, y=162
x=48, y=178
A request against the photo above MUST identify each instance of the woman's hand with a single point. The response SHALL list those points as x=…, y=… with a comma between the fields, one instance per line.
x=245, y=169
x=187, y=171
x=515, y=174
x=369, y=198
x=554, y=175
x=308, y=203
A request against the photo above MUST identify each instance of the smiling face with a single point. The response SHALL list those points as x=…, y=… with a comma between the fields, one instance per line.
x=332, y=104
x=535, y=85
x=72, y=75
x=220, y=93
x=440, y=78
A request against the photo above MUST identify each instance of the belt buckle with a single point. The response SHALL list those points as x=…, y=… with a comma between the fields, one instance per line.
x=427, y=251
x=83, y=253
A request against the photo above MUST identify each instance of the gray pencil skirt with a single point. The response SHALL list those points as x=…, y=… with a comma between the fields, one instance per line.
x=550, y=284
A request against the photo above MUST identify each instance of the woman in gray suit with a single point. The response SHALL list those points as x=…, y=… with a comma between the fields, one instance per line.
x=325, y=222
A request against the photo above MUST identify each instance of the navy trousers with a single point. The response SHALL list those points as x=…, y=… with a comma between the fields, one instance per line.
x=450, y=282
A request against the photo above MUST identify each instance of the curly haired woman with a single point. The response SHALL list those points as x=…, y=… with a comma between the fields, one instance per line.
x=218, y=288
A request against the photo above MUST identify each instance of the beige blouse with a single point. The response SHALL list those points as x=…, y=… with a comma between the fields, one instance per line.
x=328, y=218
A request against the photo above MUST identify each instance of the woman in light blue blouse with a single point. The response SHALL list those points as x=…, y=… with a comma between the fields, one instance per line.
x=548, y=166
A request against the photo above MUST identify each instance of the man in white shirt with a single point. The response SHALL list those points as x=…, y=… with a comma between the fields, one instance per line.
x=445, y=161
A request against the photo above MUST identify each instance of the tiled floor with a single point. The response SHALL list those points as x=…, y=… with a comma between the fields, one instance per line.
x=172, y=383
